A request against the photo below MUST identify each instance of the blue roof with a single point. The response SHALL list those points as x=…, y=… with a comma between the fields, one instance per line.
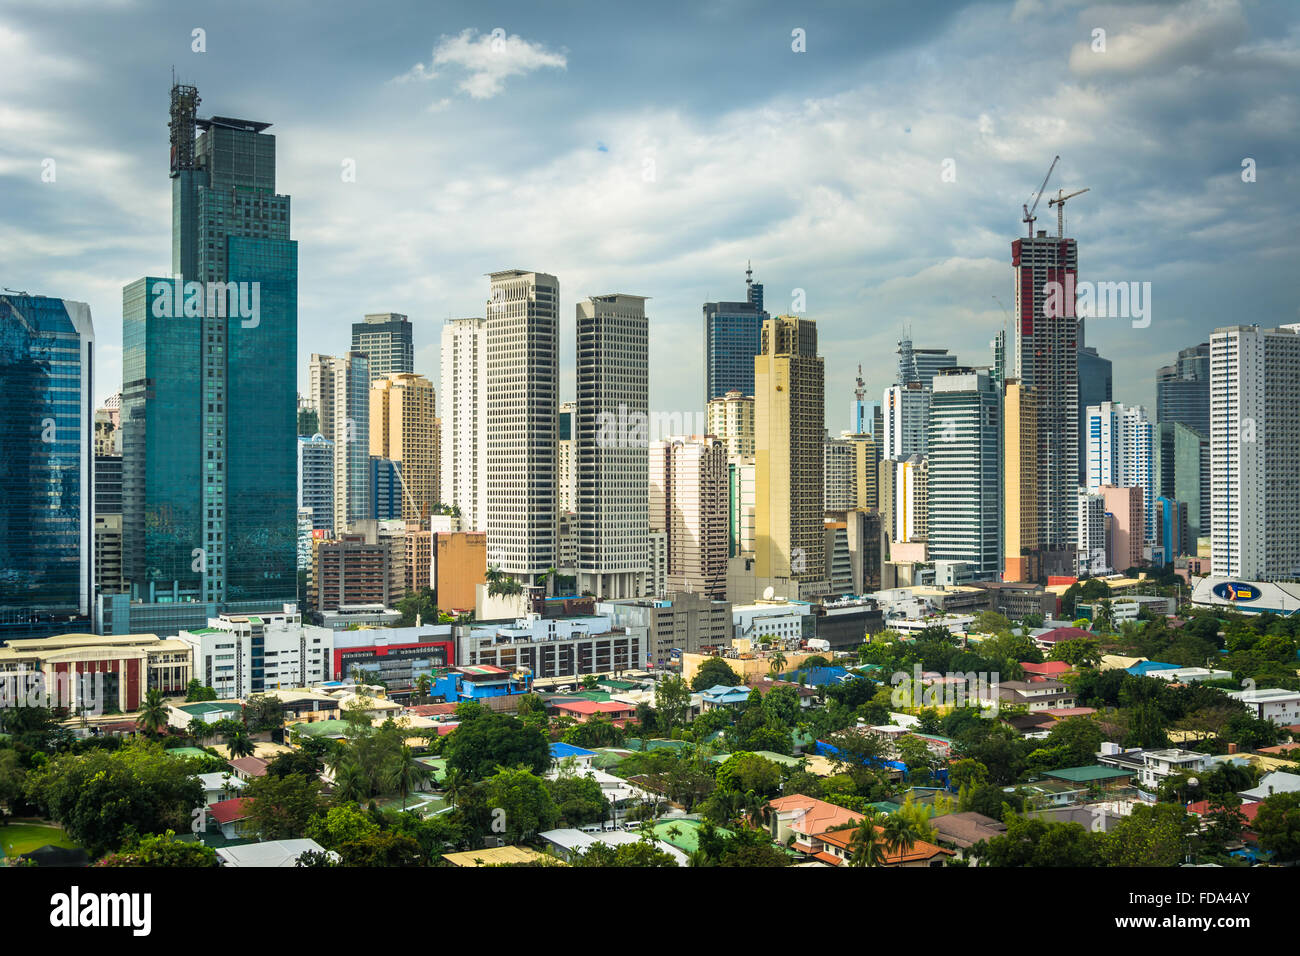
x=819, y=676
x=1143, y=667
x=561, y=750
x=727, y=694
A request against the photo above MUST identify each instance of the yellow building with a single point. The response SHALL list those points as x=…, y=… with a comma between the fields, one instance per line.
x=404, y=428
x=731, y=418
x=1020, y=482
x=789, y=382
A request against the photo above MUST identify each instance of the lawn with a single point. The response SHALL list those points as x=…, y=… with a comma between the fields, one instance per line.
x=19, y=838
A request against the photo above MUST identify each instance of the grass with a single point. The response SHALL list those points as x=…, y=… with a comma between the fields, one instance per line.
x=19, y=838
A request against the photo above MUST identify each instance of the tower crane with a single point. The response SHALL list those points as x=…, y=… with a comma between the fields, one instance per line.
x=1029, y=210
x=1059, y=202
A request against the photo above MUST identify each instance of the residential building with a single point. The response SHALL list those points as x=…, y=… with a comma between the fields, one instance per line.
x=612, y=490
x=568, y=458
x=688, y=479
x=1127, y=521
x=1020, y=482
x=1183, y=473
x=316, y=480
x=1272, y=704
x=731, y=419
x=522, y=428
x=1255, y=452
x=919, y=366
x=1095, y=387
x=459, y=566
x=404, y=429
x=463, y=456
x=340, y=392
x=1122, y=452
x=741, y=505
x=1093, y=553
x=965, y=482
x=839, y=487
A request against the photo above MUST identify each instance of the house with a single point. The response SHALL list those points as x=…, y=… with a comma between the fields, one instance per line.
x=1152, y=767
x=246, y=768
x=1279, y=781
x=1037, y=696
x=272, y=853
x=581, y=758
x=1044, y=671
x=836, y=848
x=1049, y=793
x=799, y=817
x=807, y=696
x=583, y=710
x=219, y=786
x=1189, y=675
x=569, y=842
x=720, y=695
x=1048, y=639
x=1271, y=704
x=1032, y=725
x=964, y=830
x=232, y=817
x=1094, y=776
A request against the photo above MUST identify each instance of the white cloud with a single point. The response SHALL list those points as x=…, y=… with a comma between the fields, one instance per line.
x=488, y=59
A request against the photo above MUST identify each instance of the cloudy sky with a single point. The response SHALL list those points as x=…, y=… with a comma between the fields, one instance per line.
x=652, y=149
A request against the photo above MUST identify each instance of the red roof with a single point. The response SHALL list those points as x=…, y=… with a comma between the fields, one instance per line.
x=1202, y=807
x=228, y=811
x=445, y=729
x=1047, y=668
x=1063, y=712
x=1064, y=634
x=595, y=707
x=432, y=710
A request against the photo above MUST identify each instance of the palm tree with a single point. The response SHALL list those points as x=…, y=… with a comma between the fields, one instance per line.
x=153, y=713
x=407, y=773
x=900, y=833
x=866, y=845
x=239, y=743
x=454, y=784
x=423, y=684
x=350, y=783
x=777, y=664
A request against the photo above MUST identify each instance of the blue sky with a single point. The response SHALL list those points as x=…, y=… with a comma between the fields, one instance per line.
x=652, y=149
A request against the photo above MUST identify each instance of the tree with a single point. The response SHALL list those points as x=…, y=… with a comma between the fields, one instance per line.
x=423, y=684
x=776, y=664
x=748, y=772
x=405, y=773
x=712, y=672
x=1278, y=825
x=480, y=745
x=990, y=622
x=641, y=853
x=1155, y=835
x=867, y=844
x=672, y=701
x=239, y=743
x=281, y=808
x=1033, y=842
x=515, y=804
x=419, y=603
x=597, y=731
x=579, y=799
x=195, y=691
x=1079, y=650
x=161, y=850
x=382, y=848
x=101, y=797
x=12, y=778
x=342, y=824
x=501, y=584
x=153, y=713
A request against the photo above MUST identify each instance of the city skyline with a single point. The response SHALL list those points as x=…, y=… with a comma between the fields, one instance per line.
x=839, y=170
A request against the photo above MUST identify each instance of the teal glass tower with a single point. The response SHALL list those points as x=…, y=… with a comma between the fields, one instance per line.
x=209, y=399
x=46, y=465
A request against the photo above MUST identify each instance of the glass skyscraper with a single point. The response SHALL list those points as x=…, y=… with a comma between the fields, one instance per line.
x=46, y=464
x=733, y=334
x=209, y=403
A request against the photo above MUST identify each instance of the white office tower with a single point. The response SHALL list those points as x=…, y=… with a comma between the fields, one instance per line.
x=523, y=397
x=839, y=475
x=1090, y=530
x=911, y=505
x=1255, y=452
x=613, y=438
x=905, y=411
x=1120, y=445
x=568, y=447
x=340, y=392
x=465, y=420
x=965, y=445
x=688, y=502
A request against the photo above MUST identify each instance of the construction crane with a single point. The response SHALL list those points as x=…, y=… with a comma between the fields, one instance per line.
x=1029, y=210
x=1059, y=203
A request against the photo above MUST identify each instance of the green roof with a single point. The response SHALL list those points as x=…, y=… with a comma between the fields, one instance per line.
x=206, y=707
x=1088, y=774
x=634, y=743
x=619, y=684
x=322, y=728
x=187, y=752
x=687, y=837
x=782, y=759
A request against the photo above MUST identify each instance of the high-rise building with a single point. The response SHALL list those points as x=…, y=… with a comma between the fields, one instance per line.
x=385, y=339
x=209, y=399
x=316, y=481
x=568, y=458
x=1127, y=525
x=906, y=415
x=340, y=390
x=1183, y=474
x=1020, y=483
x=911, y=498
x=1255, y=452
x=789, y=429
x=1183, y=389
x=1095, y=387
x=47, y=465
x=732, y=337
x=866, y=463
x=404, y=429
x=463, y=459
x=864, y=416
x=613, y=393
x=688, y=502
x=919, y=366
x=523, y=395
x=965, y=484
x=731, y=418
x=1090, y=530
x=385, y=495
x=839, y=486
x=1171, y=528
x=740, y=506
x=1122, y=452
x=1046, y=346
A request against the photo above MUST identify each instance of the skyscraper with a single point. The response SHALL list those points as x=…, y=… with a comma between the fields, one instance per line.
x=732, y=337
x=403, y=428
x=864, y=416
x=1183, y=474
x=965, y=480
x=209, y=403
x=1255, y=452
x=386, y=341
x=906, y=414
x=340, y=390
x=1095, y=385
x=789, y=429
x=47, y=464
x=523, y=394
x=463, y=461
x=919, y=366
x=839, y=475
x=731, y=418
x=1020, y=482
x=1183, y=389
x=613, y=395
x=1046, y=345
x=568, y=459
x=688, y=501
x=1122, y=452
x=316, y=481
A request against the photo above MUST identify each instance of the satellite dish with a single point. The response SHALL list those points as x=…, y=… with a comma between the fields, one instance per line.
x=768, y=593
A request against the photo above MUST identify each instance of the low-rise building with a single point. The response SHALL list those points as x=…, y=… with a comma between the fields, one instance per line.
x=96, y=673
x=238, y=655
x=552, y=648
x=1272, y=704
